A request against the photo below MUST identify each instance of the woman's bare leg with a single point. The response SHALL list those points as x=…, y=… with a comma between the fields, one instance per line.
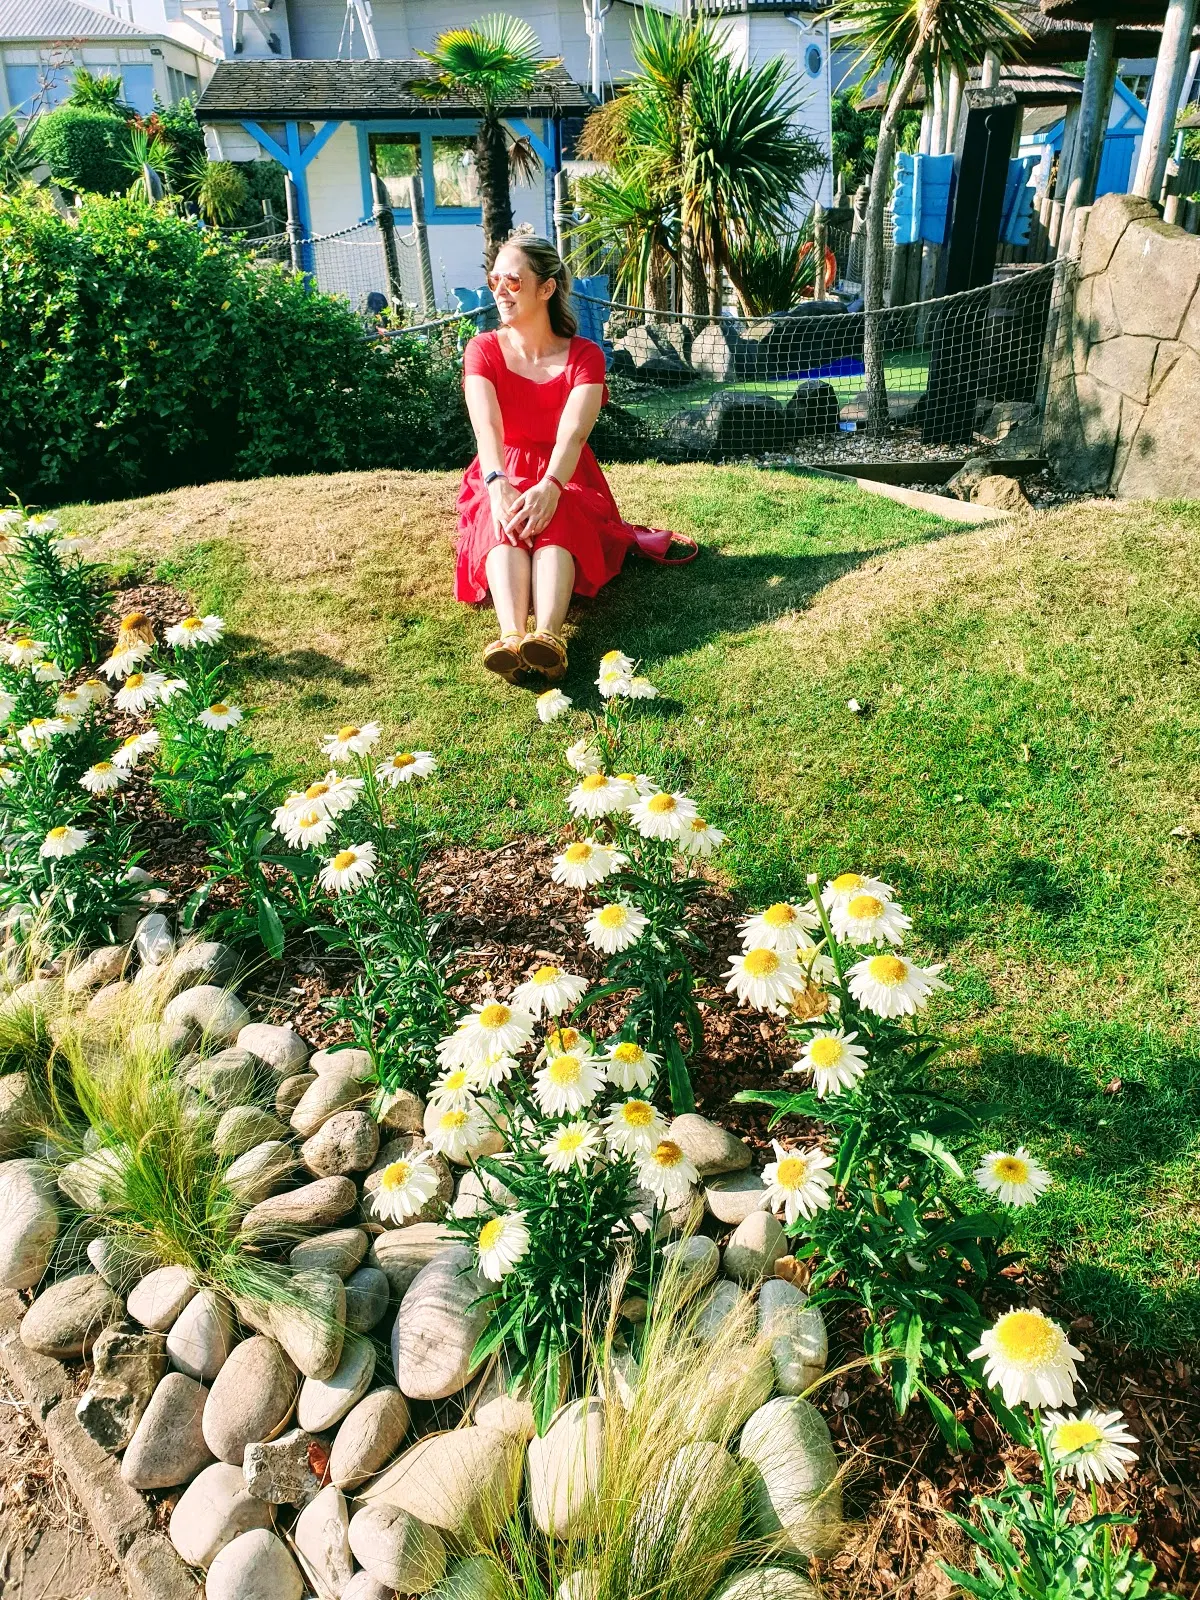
x=507, y=569
x=553, y=583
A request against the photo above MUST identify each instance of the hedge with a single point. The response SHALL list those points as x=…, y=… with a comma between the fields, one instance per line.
x=85, y=149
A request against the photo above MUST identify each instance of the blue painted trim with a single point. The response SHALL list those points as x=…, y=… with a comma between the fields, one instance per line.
x=274, y=150
x=457, y=127
x=541, y=148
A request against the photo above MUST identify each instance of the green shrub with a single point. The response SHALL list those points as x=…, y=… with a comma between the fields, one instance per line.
x=86, y=149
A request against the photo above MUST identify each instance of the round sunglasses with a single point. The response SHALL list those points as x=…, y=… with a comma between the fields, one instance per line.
x=511, y=281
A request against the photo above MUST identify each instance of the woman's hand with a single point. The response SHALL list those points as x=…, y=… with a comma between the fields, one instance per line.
x=533, y=510
x=503, y=498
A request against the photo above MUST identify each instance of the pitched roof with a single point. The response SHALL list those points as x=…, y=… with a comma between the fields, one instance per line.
x=1033, y=86
x=360, y=89
x=61, y=20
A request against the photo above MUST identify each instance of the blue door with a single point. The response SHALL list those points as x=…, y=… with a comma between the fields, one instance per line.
x=1116, y=158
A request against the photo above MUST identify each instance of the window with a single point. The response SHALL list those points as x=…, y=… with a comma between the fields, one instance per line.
x=44, y=86
x=813, y=60
x=443, y=156
x=455, y=181
x=138, y=85
x=394, y=158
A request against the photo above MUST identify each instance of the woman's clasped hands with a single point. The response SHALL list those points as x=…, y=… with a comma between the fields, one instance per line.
x=521, y=516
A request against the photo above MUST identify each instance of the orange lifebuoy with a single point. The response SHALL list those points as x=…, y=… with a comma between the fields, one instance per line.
x=830, y=269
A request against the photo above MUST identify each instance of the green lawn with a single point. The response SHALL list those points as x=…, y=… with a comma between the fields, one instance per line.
x=1026, y=771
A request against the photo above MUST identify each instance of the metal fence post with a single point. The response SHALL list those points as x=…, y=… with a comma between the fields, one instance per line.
x=417, y=202
x=381, y=210
x=294, y=231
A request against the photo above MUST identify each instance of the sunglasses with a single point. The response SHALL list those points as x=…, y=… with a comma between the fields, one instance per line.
x=510, y=280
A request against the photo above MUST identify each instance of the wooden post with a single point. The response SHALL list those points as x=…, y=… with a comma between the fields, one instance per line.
x=1164, y=98
x=381, y=210
x=1191, y=218
x=989, y=77
x=1098, y=77
x=953, y=108
x=294, y=231
x=416, y=200
x=937, y=131
x=819, y=250
x=561, y=203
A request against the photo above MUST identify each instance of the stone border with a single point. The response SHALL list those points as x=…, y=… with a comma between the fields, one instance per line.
x=120, y=1517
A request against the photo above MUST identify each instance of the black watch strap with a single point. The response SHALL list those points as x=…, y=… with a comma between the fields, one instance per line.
x=490, y=477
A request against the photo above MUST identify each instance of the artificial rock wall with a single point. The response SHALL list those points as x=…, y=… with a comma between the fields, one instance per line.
x=1123, y=404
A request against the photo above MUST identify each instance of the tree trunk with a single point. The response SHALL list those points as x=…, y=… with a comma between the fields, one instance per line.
x=881, y=173
x=695, y=280
x=495, y=197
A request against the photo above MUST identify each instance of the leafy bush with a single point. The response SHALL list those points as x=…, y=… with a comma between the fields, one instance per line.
x=86, y=149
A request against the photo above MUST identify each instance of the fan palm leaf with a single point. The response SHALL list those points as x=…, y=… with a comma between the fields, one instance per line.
x=489, y=62
x=942, y=33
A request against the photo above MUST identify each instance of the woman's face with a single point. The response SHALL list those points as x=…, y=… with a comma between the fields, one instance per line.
x=520, y=295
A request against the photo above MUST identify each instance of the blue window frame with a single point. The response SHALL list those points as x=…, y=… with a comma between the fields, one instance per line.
x=423, y=136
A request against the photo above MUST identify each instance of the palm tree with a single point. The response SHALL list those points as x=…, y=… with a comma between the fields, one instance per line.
x=490, y=63
x=917, y=39
x=99, y=92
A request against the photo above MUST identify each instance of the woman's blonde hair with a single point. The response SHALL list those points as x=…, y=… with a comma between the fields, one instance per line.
x=547, y=263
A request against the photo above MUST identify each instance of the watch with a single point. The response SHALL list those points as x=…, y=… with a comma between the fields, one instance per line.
x=489, y=478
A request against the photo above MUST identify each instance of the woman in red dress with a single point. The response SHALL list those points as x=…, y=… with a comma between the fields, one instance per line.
x=537, y=521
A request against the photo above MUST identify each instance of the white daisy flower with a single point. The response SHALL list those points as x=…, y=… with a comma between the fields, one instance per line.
x=614, y=927
x=219, y=716
x=868, y=919
x=892, y=986
x=572, y=1144
x=405, y=1187
x=23, y=651
x=667, y=1172
x=1015, y=1180
x=350, y=740
x=457, y=1132
x=617, y=661
x=783, y=927
x=798, y=1182
x=641, y=689
x=699, y=838
x=102, y=778
x=139, y=692
x=583, y=757
x=628, y=1067
x=171, y=688
x=502, y=1242
x=130, y=751
x=565, y=1038
x=332, y=794
x=304, y=830
x=847, y=884
x=835, y=1061
x=585, y=863
x=39, y=731
x=10, y=519
x=406, y=765
x=634, y=1127
x=662, y=815
x=186, y=635
x=599, y=795
x=453, y=1090
x=70, y=703
x=47, y=672
x=491, y=1072
x=763, y=978
x=644, y=786
x=126, y=660
x=41, y=522
x=1029, y=1359
x=8, y=703
x=1093, y=1447
x=68, y=542
x=549, y=991
x=8, y=778
x=349, y=869
x=69, y=721
x=567, y=1084
x=64, y=841
x=612, y=685
x=552, y=703
x=96, y=690
x=490, y=1028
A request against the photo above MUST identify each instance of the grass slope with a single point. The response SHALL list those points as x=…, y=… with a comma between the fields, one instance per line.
x=1027, y=757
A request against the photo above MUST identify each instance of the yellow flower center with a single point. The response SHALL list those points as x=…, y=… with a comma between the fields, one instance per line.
x=780, y=915
x=629, y=1054
x=563, y=1039
x=494, y=1015
x=314, y=790
x=864, y=907
x=698, y=825
x=846, y=881
x=615, y=916
x=23, y=644
x=1077, y=1435
x=760, y=963
x=825, y=1053
x=135, y=680
x=92, y=684
x=396, y=1176
x=220, y=709
x=104, y=767
x=667, y=1154
x=310, y=819
x=888, y=970
x=349, y=731
x=565, y=1071
x=1011, y=1169
x=58, y=833
x=452, y=1120
x=546, y=975
x=40, y=722
x=577, y=854
x=1027, y=1338
x=491, y=1233
x=593, y=782
x=792, y=1172
x=404, y=759
x=661, y=805
x=571, y=1140
x=125, y=743
x=134, y=621
x=637, y=1113
x=344, y=859
x=610, y=656
x=192, y=624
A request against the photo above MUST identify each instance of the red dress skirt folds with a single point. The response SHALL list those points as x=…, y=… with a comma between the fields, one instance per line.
x=586, y=521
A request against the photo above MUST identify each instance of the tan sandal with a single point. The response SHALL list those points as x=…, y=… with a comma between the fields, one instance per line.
x=545, y=653
x=503, y=656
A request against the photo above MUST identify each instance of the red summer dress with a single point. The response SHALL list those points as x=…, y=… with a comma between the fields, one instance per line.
x=586, y=521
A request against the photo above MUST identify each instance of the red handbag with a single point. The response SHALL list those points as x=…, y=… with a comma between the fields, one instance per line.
x=655, y=544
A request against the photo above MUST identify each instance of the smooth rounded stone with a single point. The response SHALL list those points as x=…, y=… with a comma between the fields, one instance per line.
x=67, y=1318
x=363, y=1586
x=227, y=1079
x=734, y=1195
x=99, y=967
x=18, y=1113
x=400, y=1253
x=401, y=1111
x=403, y=1149
x=563, y=1471
x=107, y=1004
x=799, y=1340
x=578, y=1585
x=685, y=1214
x=94, y=1180
x=740, y=1380
x=722, y=1301
x=290, y=1093
x=120, y=1263
x=158, y=1300
x=254, y=1566
x=325, y=1401
x=754, y=1247
x=397, y=1549
x=314, y=1205
x=691, y=1263
x=368, y=1438
x=168, y=1444
x=796, y=1495
x=347, y=1142
x=437, y=1326
x=339, y=1251
x=367, y=1295
x=697, y=1501
x=281, y=1049
x=242, y=1127
x=127, y=1367
x=286, y=1471
x=464, y=1482
x=199, y=961
x=322, y=1543
x=212, y=1511
x=251, y=1398
x=497, y=1405
x=216, y=1014
x=201, y=1337
x=711, y=1148
x=480, y=1192
x=766, y=1583
x=153, y=939
x=311, y=1323
x=472, y=1578
x=28, y=1222
x=350, y=1059
x=256, y=1174
x=333, y=1091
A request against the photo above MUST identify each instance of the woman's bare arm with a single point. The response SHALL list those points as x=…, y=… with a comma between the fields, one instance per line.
x=533, y=510
x=483, y=408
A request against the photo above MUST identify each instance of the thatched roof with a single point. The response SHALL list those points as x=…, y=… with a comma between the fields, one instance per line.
x=1053, y=39
x=1032, y=86
x=1131, y=11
